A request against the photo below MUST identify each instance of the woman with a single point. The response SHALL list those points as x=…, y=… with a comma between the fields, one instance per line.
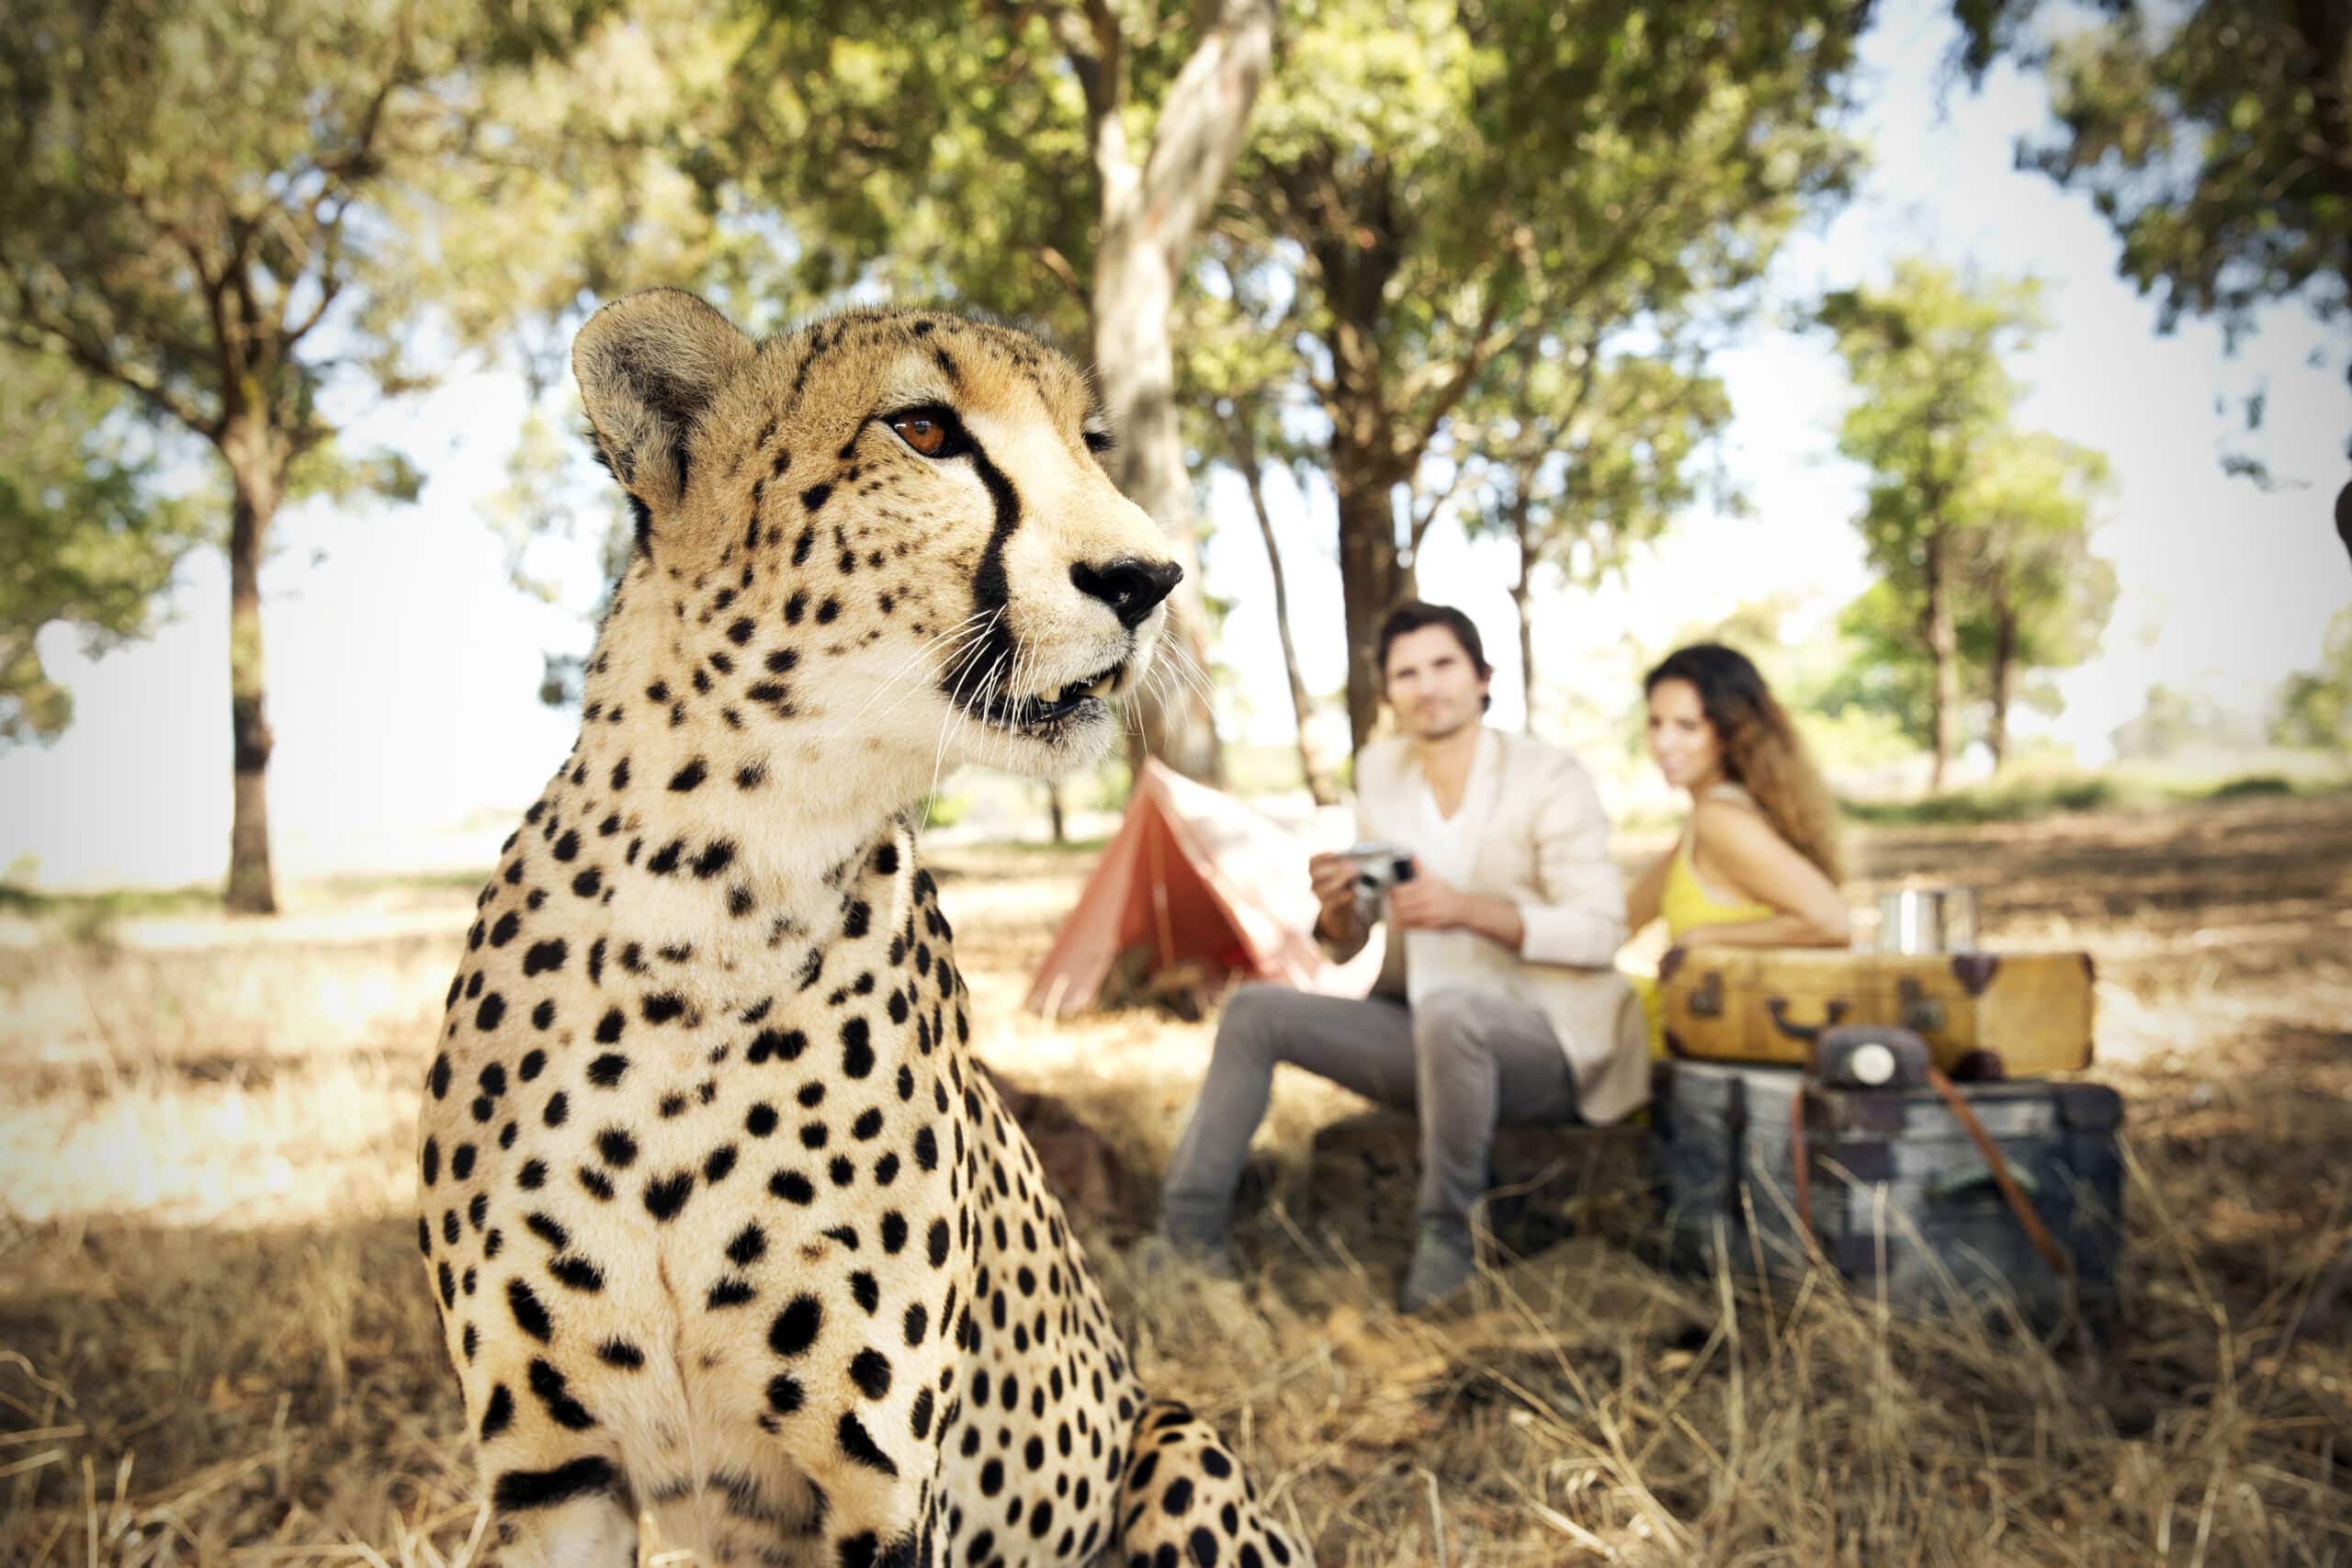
x=1757, y=864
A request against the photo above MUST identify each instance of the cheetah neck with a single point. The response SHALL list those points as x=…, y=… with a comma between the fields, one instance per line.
x=674, y=837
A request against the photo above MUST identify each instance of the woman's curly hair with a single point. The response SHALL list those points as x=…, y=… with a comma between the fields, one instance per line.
x=1762, y=749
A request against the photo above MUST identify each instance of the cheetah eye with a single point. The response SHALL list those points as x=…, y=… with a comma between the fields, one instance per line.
x=931, y=430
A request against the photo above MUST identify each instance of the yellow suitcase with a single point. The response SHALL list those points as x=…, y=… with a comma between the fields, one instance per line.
x=2032, y=1010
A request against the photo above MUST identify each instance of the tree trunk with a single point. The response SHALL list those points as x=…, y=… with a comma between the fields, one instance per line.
x=2004, y=653
x=1943, y=652
x=1244, y=457
x=1151, y=215
x=254, y=474
x=1521, y=593
x=1054, y=809
x=1368, y=590
x=1135, y=366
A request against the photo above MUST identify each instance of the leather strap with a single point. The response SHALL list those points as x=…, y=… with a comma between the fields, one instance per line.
x=2035, y=1231
x=1801, y=1166
x=1801, y=1163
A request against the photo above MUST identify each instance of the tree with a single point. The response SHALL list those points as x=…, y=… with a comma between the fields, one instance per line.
x=2215, y=138
x=2313, y=707
x=1031, y=157
x=2173, y=723
x=1480, y=178
x=1925, y=356
x=271, y=175
x=1584, y=454
x=2036, y=598
x=1977, y=529
x=83, y=539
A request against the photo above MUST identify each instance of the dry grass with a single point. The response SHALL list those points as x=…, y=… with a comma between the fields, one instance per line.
x=215, y=1344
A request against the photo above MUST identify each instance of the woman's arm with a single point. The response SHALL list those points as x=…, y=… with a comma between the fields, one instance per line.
x=1742, y=849
x=1642, y=903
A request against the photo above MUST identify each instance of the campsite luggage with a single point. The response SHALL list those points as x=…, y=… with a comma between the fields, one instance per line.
x=1765, y=1171
x=2030, y=1010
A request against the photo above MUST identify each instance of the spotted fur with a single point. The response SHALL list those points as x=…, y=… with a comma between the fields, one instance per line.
x=722, y=1224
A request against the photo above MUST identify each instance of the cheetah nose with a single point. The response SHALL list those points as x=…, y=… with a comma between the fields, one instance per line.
x=1130, y=587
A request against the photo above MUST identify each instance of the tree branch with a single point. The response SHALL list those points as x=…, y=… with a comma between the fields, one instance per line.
x=1052, y=259
x=1419, y=525
x=1485, y=341
x=47, y=337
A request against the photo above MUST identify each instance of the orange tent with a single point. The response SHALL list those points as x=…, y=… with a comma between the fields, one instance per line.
x=1200, y=878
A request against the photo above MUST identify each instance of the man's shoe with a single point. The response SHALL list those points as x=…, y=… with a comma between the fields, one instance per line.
x=1158, y=1255
x=1442, y=1263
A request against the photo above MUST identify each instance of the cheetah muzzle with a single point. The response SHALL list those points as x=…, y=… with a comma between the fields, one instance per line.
x=724, y=1227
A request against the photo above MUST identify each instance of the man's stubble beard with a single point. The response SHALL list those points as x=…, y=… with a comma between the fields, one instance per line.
x=1456, y=728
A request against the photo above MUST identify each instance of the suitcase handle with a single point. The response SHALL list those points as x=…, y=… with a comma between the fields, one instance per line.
x=1951, y=1184
x=1808, y=1032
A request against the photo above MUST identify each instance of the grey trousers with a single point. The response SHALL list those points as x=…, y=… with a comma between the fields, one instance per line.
x=1460, y=1057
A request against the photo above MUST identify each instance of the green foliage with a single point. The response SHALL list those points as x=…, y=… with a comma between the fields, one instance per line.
x=939, y=150
x=2174, y=724
x=2313, y=707
x=1925, y=356
x=2255, y=786
x=1584, y=454
x=2025, y=800
x=2008, y=802
x=2215, y=137
x=83, y=539
x=1459, y=180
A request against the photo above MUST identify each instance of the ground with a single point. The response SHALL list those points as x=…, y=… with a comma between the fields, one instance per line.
x=214, y=1338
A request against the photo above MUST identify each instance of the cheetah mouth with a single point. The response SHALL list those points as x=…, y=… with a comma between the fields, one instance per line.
x=1027, y=715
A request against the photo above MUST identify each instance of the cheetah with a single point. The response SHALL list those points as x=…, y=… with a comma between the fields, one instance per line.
x=723, y=1225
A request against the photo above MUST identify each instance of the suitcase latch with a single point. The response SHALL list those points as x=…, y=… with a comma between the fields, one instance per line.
x=1920, y=1012
x=1707, y=1001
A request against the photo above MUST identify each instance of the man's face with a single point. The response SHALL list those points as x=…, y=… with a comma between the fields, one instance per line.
x=1432, y=686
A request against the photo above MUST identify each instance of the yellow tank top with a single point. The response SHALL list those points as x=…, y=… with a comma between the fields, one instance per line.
x=1686, y=905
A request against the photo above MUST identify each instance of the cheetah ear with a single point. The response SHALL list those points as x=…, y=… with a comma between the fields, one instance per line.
x=648, y=365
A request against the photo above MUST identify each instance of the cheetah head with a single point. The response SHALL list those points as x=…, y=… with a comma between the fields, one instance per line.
x=890, y=531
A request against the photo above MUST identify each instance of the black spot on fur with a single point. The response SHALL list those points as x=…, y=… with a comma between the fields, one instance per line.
x=793, y=1187
x=518, y=1490
x=796, y=1328
x=666, y=1195
x=870, y=1370
x=530, y=1316
x=859, y=1444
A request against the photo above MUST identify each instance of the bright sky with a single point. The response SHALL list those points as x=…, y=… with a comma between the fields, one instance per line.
x=404, y=666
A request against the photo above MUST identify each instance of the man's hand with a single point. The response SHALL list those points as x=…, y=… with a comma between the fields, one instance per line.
x=1334, y=878
x=1425, y=903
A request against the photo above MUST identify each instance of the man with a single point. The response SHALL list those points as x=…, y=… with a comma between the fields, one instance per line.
x=1497, y=988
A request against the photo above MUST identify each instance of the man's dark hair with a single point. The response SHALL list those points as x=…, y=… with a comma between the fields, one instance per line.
x=1413, y=614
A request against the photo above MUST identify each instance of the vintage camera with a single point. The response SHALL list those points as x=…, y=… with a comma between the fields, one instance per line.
x=1378, y=867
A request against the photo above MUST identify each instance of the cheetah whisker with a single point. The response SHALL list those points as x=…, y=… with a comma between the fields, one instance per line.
x=890, y=682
